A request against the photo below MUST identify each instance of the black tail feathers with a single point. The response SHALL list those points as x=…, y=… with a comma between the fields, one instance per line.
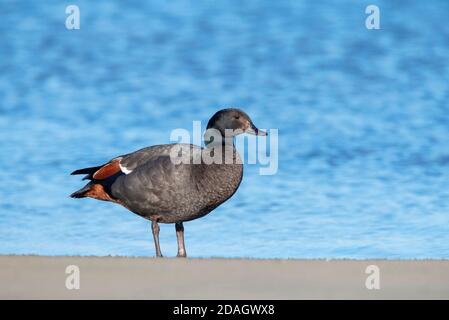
x=87, y=171
x=81, y=192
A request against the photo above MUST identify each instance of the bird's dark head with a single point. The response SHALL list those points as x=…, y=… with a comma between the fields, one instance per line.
x=231, y=122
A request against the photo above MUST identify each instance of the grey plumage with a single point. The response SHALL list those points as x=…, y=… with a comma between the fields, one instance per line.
x=149, y=183
x=158, y=189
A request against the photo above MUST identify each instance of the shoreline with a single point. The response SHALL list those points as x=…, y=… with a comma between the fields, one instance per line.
x=114, y=277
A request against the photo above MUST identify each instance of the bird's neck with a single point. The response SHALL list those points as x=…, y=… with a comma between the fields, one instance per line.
x=221, y=152
x=220, y=172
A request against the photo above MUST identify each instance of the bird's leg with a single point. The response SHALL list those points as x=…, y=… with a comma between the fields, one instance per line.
x=155, y=228
x=180, y=237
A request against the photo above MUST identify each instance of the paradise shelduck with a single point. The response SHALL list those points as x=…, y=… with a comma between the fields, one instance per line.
x=173, y=183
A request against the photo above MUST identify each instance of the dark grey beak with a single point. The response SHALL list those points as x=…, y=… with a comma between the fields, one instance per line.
x=253, y=130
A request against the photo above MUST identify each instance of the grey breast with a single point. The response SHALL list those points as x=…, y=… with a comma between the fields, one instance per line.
x=173, y=192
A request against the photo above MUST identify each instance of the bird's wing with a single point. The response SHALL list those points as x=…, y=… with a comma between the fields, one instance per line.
x=101, y=172
x=155, y=185
x=136, y=159
x=129, y=162
x=133, y=160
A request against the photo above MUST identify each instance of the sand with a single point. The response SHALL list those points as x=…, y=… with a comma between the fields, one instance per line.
x=36, y=277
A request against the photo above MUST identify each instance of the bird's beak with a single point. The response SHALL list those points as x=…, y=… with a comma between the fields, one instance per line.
x=252, y=129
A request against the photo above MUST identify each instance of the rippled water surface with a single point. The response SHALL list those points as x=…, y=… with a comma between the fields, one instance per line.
x=362, y=116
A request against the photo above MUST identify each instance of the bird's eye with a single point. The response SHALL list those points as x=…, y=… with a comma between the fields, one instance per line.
x=237, y=117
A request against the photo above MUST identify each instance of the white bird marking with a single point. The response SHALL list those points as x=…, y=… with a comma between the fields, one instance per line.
x=124, y=170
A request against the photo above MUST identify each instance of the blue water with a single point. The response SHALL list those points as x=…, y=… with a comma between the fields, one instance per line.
x=362, y=116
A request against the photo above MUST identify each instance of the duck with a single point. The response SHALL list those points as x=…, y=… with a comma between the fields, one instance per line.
x=174, y=183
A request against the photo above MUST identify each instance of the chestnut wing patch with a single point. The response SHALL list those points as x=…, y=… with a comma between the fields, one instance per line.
x=97, y=191
x=107, y=170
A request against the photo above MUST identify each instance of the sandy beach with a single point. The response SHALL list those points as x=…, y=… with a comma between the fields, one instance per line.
x=37, y=277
